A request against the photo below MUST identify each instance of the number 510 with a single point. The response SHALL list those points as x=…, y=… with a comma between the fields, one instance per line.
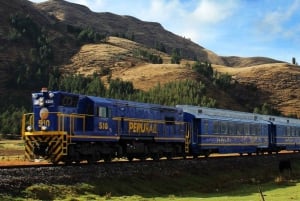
x=103, y=125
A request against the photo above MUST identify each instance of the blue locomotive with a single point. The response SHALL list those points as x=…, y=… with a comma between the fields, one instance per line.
x=70, y=128
x=67, y=127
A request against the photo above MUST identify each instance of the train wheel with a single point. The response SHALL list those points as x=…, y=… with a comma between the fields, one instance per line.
x=130, y=158
x=155, y=156
x=53, y=161
x=206, y=154
x=169, y=156
x=107, y=158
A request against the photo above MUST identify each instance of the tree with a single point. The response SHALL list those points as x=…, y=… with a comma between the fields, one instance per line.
x=175, y=57
x=267, y=109
x=294, y=60
x=204, y=69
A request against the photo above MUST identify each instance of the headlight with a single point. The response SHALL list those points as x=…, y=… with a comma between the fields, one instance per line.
x=34, y=96
x=29, y=128
x=44, y=128
x=41, y=101
x=51, y=95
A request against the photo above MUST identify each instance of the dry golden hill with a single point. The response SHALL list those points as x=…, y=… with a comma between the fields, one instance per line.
x=276, y=83
x=279, y=82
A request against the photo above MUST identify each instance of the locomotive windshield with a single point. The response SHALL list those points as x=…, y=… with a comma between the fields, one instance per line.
x=68, y=100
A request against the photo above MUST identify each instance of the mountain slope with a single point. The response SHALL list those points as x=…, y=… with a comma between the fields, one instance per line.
x=276, y=83
x=150, y=34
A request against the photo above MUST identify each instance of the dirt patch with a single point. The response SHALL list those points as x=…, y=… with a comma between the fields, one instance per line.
x=147, y=76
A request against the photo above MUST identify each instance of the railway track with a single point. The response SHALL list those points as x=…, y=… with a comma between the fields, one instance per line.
x=37, y=163
x=16, y=178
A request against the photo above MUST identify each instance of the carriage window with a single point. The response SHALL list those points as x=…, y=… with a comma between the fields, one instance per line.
x=216, y=127
x=232, y=129
x=246, y=129
x=252, y=129
x=104, y=112
x=288, y=131
x=205, y=126
x=259, y=129
x=240, y=129
x=224, y=128
x=293, y=131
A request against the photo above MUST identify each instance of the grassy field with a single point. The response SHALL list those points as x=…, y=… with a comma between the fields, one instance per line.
x=237, y=185
x=183, y=189
x=11, y=149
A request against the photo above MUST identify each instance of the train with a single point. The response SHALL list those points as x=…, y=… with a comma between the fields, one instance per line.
x=72, y=128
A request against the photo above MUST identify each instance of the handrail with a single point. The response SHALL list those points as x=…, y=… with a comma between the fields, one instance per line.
x=28, y=120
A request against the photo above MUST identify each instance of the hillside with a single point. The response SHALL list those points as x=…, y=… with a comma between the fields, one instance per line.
x=118, y=54
x=275, y=82
x=279, y=83
x=150, y=34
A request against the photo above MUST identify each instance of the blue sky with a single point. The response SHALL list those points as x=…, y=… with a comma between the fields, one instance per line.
x=246, y=28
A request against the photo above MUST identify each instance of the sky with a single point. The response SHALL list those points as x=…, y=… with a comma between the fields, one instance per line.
x=245, y=28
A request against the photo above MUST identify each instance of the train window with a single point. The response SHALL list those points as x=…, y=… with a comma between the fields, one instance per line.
x=169, y=120
x=287, y=131
x=258, y=129
x=216, y=127
x=231, y=129
x=293, y=131
x=205, y=126
x=240, y=129
x=90, y=108
x=246, y=129
x=104, y=112
x=282, y=131
x=224, y=128
x=68, y=100
x=252, y=129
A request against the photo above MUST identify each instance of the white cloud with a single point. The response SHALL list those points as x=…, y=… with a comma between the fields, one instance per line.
x=276, y=22
x=211, y=12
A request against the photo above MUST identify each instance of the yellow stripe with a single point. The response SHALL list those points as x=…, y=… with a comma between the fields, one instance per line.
x=45, y=133
x=288, y=138
x=146, y=120
x=97, y=137
x=230, y=144
x=166, y=138
x=233, y=136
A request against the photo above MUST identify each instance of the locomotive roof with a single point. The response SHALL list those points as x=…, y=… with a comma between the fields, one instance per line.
x=131, y=103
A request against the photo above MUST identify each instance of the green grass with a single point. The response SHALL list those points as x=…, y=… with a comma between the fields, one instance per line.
x=82, y=192
x=11, y=145
x=183, y=187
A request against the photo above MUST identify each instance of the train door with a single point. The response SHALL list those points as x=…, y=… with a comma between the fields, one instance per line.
x=272, y=136
x=196, y=136
x=84, y=122
x=103, y=119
